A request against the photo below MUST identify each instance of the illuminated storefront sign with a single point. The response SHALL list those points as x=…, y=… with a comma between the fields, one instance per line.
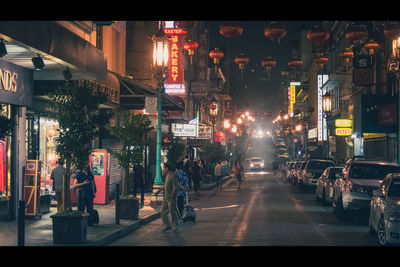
x=343, y=123
x=343, y=131
x=8, y=80
x=322, y=127
x=175, y=84
x=292, y=99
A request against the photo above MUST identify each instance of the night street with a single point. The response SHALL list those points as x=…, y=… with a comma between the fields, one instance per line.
x=262, y=132
x=264, y=212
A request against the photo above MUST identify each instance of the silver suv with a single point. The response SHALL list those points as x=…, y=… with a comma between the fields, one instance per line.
x=353, y=191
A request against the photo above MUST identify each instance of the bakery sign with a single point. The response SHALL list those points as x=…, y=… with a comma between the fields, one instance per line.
x=8, y=80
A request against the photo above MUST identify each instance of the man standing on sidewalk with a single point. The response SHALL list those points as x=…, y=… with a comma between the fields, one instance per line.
x=170, y=200
x=218, y=174
x=57, y=175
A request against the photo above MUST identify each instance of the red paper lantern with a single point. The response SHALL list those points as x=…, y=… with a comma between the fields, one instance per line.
x=190, y=46
x=321, y=60
x=372, y=46
x=347, y=54
x=268, y=63
x=217, y=55
x=294, y=62
x=318, y=35
x=275, y=31
x=241, y=60
x=231, y=30
x=356, y=33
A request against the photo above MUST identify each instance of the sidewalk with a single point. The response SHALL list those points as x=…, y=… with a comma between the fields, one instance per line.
x=40, y=232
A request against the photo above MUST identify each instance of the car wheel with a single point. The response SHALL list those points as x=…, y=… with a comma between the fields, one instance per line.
x=381, y=232
x=341, y=213
x=316, y=197
x=371, y=229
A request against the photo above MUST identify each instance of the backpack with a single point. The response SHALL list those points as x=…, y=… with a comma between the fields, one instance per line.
x=93, y=218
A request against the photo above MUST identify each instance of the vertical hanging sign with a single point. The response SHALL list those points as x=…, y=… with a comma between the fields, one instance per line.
x=322, y=127
x=175, y=84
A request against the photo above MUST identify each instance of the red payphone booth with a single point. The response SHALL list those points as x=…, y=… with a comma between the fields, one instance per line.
x=99, y=163
x=32, y=188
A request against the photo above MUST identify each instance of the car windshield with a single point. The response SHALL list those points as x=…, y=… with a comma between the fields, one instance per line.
x=334, y=171
x=394, y=190
x=322, y=165
x=371, y=171
x=256, y=160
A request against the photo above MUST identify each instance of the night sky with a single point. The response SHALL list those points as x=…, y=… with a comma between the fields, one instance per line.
x=264, y=94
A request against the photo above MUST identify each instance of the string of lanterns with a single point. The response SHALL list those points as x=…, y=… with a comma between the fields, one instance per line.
x=356, y=34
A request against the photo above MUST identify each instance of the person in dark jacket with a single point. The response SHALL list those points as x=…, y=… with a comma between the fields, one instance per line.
x=196, y=175
x=138, y=182
x=85, y=183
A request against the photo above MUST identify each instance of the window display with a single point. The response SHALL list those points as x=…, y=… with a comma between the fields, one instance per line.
x=47, y=151
x=4, y=160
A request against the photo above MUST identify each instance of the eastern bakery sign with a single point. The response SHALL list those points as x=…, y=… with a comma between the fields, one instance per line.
x=175, y=84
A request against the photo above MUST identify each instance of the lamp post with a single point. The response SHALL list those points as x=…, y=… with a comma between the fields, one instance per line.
x=327, y=108
x=213, y=114
x=160, y=64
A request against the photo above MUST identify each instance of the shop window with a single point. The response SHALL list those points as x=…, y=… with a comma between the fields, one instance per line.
x=47, y=151
x=5, y=174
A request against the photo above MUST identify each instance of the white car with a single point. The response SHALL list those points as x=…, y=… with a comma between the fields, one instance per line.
x=324, y=190
x=384, y=216
x=353, y=192
x=256, y=163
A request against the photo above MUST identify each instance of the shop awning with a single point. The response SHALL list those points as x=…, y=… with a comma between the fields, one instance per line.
x=59, y=48
x=133, y=94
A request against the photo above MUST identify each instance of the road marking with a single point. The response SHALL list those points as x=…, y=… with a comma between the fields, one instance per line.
x=217, y=208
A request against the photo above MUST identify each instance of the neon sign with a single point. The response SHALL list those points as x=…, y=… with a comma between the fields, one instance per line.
x=175, y=84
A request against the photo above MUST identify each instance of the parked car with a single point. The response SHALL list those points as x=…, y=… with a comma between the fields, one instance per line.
x=353, y=192
x=296, y=171
x=312, y=171
x=256, y=163
x=324, y=189
x=289, y=170
x=384, y=216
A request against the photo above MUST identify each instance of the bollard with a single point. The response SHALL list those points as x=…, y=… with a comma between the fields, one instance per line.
x=21, y=223
x=117, y=204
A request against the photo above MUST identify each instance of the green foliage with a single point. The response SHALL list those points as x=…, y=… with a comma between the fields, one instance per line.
x=212, y=152
x=80, y=121
x=131, y=132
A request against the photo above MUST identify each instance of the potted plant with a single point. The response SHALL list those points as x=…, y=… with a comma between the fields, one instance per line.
x=131, y=130
x=69, y=227
x=80, y=122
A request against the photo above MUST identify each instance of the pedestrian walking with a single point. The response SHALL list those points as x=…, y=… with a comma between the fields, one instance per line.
x=138, y=182
x=182, y=186
x=187, y=168
x=58, y=174
x=218, y=175
x=85, y=183
x=239, y=173
x=169, y=205
x=196, y=172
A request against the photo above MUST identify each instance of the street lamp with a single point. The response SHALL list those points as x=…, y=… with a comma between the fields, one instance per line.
x=213, y=114
x=327, y=108
x=160, y=64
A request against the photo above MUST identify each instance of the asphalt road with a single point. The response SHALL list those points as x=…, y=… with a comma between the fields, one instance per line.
x=264, y=212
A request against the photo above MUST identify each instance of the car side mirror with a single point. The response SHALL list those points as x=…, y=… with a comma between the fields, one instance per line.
x=377, y=193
